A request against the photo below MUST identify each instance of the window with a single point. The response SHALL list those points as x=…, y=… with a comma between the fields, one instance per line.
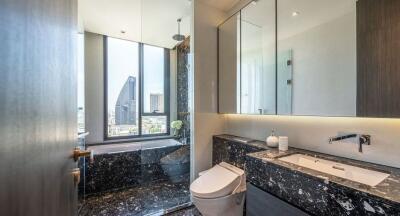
x=136, y=89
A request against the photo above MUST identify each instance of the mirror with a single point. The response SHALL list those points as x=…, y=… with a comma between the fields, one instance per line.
x=311, y=58
x=229, y=65
x=247, y=60
x=257, y=80
x=317, y=73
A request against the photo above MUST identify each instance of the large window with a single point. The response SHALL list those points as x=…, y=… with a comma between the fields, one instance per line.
x=136, y=89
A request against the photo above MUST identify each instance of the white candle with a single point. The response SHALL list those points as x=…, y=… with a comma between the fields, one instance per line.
x=283, y=143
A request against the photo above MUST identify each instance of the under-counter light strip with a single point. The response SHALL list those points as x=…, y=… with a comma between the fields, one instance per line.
x=298, y=117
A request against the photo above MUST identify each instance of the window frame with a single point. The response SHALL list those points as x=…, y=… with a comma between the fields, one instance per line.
x=140, y=82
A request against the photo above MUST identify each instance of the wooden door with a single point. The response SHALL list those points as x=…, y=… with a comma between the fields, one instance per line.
x=37, y=107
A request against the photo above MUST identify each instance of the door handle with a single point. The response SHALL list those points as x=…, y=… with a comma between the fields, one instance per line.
x=78, y=152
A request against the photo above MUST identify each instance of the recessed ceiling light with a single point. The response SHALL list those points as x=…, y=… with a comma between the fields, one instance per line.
x=295, y=13
x=123, y=32
x=254, y=2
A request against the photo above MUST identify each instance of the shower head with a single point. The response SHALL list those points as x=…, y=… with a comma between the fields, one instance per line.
x=179, y=37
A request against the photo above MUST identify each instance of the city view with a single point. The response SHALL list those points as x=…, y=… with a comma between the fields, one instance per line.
x=123, y=118
x=123, y=95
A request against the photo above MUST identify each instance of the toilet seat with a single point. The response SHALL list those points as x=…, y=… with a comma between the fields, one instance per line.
x=219, y=181
x=220, y=191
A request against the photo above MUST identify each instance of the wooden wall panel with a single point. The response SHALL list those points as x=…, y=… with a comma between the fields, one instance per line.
x=378, y=58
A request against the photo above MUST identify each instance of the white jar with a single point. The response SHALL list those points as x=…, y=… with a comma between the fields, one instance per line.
x=272, y=140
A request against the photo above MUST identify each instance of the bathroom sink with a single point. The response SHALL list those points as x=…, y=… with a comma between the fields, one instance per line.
x=353, y=173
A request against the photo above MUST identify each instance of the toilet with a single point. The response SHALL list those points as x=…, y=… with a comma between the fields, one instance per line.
x=220, y=191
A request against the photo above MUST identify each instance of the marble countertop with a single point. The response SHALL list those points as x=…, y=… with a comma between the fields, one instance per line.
x=388, y=189
x=247, y=141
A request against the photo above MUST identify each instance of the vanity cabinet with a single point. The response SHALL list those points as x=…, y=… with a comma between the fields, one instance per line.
x=259, y=203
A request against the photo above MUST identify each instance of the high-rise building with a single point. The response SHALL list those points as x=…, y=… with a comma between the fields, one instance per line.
x=156, y=102
x=125, y=108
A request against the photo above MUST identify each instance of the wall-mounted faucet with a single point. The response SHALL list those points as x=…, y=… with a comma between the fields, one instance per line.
x=362, y=139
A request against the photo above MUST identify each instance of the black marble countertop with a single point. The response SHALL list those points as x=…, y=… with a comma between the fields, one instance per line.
x=247, y=141
x=388, y=189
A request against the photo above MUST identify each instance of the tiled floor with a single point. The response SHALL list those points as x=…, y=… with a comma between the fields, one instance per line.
x=191, y=211
x=146, y=200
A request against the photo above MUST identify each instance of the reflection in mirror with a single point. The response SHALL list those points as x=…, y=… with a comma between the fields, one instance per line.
x=247, y=73
x=284, y=82
x=316, y=72
x=333, y=58
x=229, y=65
x=257, y=95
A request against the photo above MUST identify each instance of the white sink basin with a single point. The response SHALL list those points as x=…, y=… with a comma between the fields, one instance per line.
x=353, y=173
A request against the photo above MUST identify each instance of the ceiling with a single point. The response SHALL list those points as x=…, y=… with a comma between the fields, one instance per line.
x=224, y=5
x=147, y=21
x=154, y=21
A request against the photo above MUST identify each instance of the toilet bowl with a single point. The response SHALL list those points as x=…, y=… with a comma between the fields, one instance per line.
x=220, y=191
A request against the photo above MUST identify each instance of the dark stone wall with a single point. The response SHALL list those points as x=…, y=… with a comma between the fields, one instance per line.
x=134, y=168
x=227, y=149
x=183, y=50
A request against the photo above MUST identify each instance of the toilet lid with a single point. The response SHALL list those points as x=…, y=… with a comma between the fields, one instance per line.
x=216, y=182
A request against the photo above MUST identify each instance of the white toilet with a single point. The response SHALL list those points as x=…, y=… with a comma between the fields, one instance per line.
x=220, y=191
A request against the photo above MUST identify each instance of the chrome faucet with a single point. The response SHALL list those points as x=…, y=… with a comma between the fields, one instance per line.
x=362, y=139
x=343, y=137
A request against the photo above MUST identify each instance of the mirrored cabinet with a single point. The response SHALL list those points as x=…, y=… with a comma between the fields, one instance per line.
x=311, y=58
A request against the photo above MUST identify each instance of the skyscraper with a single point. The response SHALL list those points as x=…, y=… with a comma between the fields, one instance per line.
x=156, y=102
x=125, y=108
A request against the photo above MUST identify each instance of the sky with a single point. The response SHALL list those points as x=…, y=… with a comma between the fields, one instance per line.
x=153, y=73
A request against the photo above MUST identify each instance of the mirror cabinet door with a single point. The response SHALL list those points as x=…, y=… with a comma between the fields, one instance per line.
x=317, y=73
x=311, y=58
x=229, y=65
x=257, y=67
x=246, y=52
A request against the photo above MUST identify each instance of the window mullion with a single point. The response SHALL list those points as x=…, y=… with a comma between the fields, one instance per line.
x=141, y=68
x=167, y=88
x=105, y=84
